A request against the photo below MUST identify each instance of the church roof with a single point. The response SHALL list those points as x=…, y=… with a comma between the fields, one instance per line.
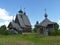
x=15, y=25
x=26, y=20
x=19, y=20
x=22, y=20
x=46, y=21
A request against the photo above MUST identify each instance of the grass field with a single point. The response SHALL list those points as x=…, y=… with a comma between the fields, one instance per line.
x=29, y=39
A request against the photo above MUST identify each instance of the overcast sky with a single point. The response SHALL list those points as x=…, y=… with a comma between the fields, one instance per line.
x=34, y=10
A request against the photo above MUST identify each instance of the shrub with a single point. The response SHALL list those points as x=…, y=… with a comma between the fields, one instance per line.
x=58, y=32
x=35, y=30
x=54, y=33
x=51, y=33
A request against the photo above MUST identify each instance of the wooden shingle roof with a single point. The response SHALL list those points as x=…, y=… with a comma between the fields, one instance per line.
x=45, y=22
x=22, y=19
x=15, y=25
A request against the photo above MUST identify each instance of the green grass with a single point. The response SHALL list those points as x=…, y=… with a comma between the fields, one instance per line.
x=29, y=39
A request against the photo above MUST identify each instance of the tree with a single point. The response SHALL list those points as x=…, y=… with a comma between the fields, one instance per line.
x=55, y=31
x=56, y=26
x=35, y=28
x=3, y=30
x=3, y=26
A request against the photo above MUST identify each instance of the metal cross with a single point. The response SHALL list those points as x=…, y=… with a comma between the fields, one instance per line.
x=24, y=9
x=45, y=10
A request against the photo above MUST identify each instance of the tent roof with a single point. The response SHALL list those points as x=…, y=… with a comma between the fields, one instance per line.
x=19, y=19
x=26, y=20
x=23, y=20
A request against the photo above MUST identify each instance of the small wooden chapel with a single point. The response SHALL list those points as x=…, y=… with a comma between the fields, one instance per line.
x=45, y=26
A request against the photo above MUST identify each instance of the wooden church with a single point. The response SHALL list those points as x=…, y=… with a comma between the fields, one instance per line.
x=45, y=26
x=20, y=24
